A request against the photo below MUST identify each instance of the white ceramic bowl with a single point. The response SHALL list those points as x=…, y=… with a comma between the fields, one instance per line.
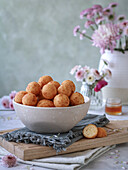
x=51, y=120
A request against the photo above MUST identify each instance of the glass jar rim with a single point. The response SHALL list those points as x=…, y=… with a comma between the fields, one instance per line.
x=113, y=101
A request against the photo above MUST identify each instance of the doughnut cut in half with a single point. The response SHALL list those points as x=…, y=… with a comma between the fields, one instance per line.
x=90, y=131
x=101, y=132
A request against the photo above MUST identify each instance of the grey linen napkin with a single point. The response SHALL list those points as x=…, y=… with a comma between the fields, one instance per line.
x=57, y=141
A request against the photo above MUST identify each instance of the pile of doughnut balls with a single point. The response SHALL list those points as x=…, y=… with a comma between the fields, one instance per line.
x=49, y=93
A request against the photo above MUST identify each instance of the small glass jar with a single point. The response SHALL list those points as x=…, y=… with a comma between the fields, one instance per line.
x=113, y=106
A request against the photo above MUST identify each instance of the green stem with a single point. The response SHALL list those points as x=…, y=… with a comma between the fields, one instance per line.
x=85, y=35
x=93, y=29
x=120, y=49
x=95, y=24
x=120, y=44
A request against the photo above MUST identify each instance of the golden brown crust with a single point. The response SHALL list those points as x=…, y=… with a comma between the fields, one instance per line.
x=47, y=88
x=90, y=131
x=29, y=99
x=33, y=87
x=19, y=96
x=49, y=91
x=101, y=132
x=55, y=83
x=70, y=83
x=44, y=80
x=45, y=103
x=65, y=89
x=61, y=100
x=40, y=96
x=76, y=99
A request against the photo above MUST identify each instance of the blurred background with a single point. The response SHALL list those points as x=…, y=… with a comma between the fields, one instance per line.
x=36, y=39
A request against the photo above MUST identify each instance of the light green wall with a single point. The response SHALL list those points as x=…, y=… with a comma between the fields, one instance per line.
x=36, y=39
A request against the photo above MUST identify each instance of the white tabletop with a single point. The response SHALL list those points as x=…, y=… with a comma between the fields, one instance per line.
x=114, y=159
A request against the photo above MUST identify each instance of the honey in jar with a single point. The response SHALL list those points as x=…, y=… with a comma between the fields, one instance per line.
x=113, y=106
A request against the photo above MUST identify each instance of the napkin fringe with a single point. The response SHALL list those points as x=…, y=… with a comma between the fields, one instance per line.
x=58, y=141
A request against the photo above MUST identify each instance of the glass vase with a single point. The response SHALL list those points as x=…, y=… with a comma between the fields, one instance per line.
x=95, y=97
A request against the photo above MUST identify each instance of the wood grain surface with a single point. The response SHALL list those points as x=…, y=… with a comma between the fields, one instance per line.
x=117, y=133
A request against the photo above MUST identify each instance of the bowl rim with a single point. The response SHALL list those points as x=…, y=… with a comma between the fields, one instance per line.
x=53, y=108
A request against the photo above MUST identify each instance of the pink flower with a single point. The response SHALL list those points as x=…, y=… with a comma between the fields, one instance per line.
x=111, y=17
x=85, y=12
x=12, y=95
x=113, y=5
x=96, y=74
x=120, y=17
x=107, y=11
x=11, y=105
x=97, y=8
x=9, y=161
x=5, y=101
x=100, y=85
x=88, y=24
x=79, y=75
x=74, y=69
x=76, y=29
x=90, y=16
x=82, y=34
x=106, y=36
x=124, y=24
x=99, y=19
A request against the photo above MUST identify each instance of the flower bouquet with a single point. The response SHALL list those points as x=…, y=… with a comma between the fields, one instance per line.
x=109, y=31
x=92, y=82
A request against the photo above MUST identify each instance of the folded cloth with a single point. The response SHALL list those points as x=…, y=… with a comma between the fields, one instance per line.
x=57, y=141
x=72, y=161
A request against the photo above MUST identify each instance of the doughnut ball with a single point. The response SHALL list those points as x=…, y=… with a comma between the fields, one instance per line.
x=40, y=96
x=61, y=100
x=44, y=80
x=55, y=83
x=65, y=89
x=101, y=132
x=29, y=99
x=70, y=83
x=49, y=91
x=45, y=103
x=34, y=88
x=76, y=99
x=19, y=96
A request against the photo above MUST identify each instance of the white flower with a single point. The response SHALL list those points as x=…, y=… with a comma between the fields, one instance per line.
x=108, y=74
x=96, y=74
x=86, y=69
x=90, y=79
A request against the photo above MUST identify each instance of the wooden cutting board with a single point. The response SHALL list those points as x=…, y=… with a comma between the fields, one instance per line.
x=117, y=133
